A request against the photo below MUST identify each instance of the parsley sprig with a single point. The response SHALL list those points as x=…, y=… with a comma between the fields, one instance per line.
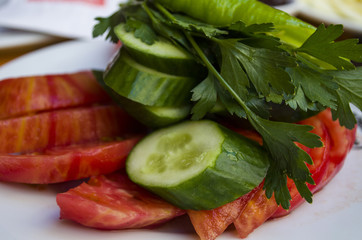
x=248, y=68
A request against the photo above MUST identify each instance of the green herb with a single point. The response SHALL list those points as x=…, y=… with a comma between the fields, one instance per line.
x=247, y=68
x=142, y=31
x=321, y=44
x=107, y=24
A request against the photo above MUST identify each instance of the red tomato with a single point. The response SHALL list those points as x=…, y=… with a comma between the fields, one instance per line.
x=209, y=224
x=66, y=163
x=318, y=169
x=342, y=140
x=114, y=202
x=327, y=160
x=64, y=127
x=256, y=212
x=26, y=95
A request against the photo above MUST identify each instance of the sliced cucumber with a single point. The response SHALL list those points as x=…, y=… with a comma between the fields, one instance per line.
x=162, y=56
x=197, y=164
x=147, y=86
x=155, y=117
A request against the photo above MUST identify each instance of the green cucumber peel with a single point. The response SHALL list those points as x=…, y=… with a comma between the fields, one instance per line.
x=153, y=117
x=147, y=86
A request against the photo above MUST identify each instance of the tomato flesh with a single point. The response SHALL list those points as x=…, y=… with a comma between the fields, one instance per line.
x=27, y=95
x=114, y=202
x=66, y=163
x=63, y=127
x=209, y=224
x=258, y=210
x=342, y=140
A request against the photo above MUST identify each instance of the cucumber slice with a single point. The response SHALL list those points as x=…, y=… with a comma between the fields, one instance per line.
x=162, y=56
x=155, y=117
x=147, y=86
x=197, y=164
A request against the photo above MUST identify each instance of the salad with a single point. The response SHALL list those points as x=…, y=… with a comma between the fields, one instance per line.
x=210, y=102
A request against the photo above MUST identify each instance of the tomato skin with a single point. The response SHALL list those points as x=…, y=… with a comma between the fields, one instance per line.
x=63, y=127
x=66, y=163
x=28, y=95
x=114, y=202
x=342, y=140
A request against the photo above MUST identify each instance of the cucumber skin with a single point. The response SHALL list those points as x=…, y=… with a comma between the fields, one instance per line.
x=224, y=12
x=225, y=177
x=140, y=112
x=182, y=65
x=179, y=67
x=150, y=89
x=146, y=115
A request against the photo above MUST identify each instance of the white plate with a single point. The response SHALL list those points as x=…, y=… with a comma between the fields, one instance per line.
x=30, y=212
x=11, y=38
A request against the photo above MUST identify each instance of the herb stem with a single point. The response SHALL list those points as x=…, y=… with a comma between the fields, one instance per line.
x=165, y=12
x=212, y=69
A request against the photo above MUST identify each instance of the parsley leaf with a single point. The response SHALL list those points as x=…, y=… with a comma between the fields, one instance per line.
x=190, y=24
x=107, y=24
x=287, y=158
x=301, y=101
x=263, y=67
x=321, y=44
x=142, y=31
x=350, y=91
x=160, y=25
x=314, y=86
x=206, y=96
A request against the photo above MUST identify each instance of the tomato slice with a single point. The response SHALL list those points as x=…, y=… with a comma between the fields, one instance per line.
x=26, y=95
x=256, y=212
x=327, y=160
x=114, y=202
x=342, y=140
x=66, y=163
x=64, y=127
x=318, y=169
x=209, y=224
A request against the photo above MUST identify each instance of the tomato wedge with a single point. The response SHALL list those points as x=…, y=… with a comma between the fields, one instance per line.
x=66, y=163
x=209, y=224
x=258, y=210
x=114, y=202
x=27, y=95
x=64, y=127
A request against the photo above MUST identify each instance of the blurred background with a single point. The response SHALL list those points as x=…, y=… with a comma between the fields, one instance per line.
x=27, y=25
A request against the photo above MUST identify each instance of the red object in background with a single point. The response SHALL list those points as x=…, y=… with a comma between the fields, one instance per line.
x=93, y=2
